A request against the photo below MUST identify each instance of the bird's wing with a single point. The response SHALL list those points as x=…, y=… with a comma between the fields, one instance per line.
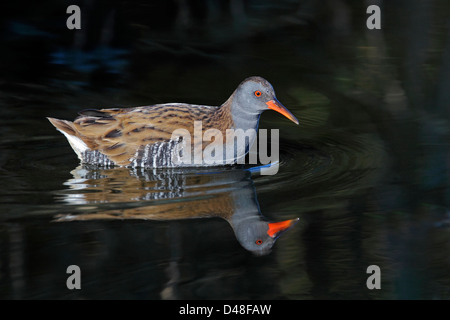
x=120, y=133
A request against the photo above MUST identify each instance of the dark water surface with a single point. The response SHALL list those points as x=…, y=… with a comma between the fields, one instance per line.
x=366, y=171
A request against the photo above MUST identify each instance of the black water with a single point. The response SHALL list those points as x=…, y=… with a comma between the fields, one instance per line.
x=366, y=171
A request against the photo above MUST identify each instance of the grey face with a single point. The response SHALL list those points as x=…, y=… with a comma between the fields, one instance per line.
x=252, y=95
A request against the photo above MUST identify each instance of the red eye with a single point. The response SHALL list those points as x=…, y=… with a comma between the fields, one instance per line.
x=258, y=242
x=258, y=93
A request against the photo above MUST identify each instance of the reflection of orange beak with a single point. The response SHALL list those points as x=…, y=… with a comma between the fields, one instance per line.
x=276, y=228
x=278, y=107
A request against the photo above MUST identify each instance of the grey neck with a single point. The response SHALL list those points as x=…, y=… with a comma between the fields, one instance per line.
x=244, y=119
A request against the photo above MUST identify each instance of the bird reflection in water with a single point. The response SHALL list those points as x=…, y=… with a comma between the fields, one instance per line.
x=174, y=194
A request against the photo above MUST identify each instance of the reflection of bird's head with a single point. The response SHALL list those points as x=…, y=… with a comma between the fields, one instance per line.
x=258, y=236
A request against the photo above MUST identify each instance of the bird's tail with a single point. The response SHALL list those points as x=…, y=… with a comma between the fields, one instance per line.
x=69, y=130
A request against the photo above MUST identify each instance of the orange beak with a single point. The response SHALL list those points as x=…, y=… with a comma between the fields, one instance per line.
x=276, y=228
x=278, y=107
